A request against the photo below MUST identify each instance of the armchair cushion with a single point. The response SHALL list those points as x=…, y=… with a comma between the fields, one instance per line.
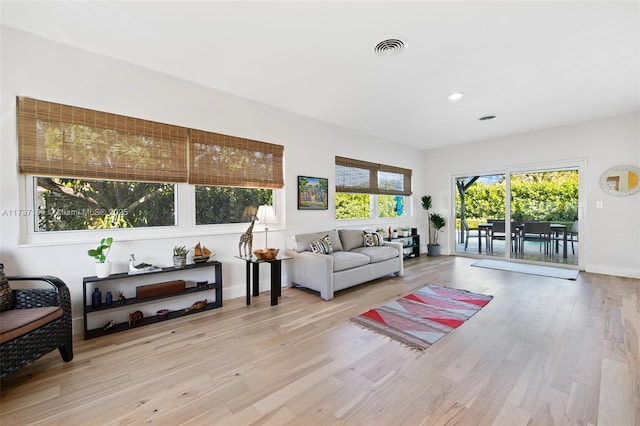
x=17, y=322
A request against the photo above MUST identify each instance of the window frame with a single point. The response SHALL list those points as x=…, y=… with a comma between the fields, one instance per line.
x=184, y=210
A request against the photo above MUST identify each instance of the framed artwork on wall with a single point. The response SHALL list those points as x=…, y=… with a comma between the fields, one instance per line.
x=313, y=193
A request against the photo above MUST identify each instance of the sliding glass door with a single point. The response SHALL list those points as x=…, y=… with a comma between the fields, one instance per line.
x=544, y=207
x=538, y=222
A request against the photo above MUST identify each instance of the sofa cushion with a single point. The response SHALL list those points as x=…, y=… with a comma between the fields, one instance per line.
x=16, y=322
x=377, y=254
x=347, y=259
x=351, y=238
x=303, y=241
x=322, y=245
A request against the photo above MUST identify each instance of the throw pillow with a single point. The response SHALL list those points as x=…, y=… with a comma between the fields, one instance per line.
x=6, y=294
x=372, y=239
x=322, y=245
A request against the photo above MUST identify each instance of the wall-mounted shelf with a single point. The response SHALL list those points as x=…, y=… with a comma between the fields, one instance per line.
x=170, y=273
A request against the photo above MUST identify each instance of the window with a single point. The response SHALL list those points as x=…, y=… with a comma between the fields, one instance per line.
x=100, y=170
x=222, y=204
x=367, y=190
x=69, y=204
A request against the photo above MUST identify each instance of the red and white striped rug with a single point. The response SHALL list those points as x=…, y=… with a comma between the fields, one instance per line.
x=421, y=318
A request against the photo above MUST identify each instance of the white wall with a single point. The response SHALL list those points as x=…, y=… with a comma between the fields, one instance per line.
x=42, y=69
x=611, y=235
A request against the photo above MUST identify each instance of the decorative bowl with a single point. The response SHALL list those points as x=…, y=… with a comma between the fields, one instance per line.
x=266, y=253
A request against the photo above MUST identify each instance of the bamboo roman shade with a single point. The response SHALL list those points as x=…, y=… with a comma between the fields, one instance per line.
x=61, y=140
x=222, y=160
x=357, y=176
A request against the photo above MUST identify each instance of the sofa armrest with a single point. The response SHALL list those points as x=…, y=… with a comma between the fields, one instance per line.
x=400, y=249
x=312, y=270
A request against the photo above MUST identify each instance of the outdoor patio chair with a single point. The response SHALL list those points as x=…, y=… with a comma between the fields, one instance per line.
x=537, y=231
x=498, y=232
x=467, y=232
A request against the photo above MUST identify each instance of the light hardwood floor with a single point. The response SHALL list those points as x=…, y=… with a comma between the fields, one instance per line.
x=544, y=351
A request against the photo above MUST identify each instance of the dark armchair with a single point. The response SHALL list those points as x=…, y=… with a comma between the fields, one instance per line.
x=38, y=322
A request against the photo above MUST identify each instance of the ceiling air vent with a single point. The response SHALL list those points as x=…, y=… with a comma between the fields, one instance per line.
x=390, y=47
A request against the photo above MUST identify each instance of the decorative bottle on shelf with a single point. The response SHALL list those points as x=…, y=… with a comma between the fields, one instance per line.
x=96, y=298
x=108, y=299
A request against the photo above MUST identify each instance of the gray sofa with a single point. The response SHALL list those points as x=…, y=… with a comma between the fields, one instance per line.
x=350, y=263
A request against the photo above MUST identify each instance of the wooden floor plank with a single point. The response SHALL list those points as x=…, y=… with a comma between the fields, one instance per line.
x=543, y=351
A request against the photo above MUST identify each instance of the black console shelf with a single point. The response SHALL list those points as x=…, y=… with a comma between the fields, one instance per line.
x=131, y=301
x=413, y=242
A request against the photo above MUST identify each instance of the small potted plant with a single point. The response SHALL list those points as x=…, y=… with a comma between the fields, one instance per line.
x=100, y=253
x=405, y=231
x=180, y=256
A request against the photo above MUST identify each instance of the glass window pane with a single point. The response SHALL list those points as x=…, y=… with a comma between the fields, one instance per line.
x=65, y=204
x=225, y=204
x=353, y=206
x=391, y=206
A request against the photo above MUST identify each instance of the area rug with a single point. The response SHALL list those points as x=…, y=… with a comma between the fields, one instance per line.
x=545, y=271
x=423, y=317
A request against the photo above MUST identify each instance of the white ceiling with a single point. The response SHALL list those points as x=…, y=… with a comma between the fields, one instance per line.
x=533, y=64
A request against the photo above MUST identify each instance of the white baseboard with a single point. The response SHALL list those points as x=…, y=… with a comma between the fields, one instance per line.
x=609, y=270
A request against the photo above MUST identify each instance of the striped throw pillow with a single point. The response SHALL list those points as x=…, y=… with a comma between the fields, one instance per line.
x=373, y=239
x=322, y=245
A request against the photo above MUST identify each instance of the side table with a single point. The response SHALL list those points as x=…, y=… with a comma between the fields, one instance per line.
x=253, y=262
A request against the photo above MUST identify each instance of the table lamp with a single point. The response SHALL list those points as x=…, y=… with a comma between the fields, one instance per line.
x=266, y=215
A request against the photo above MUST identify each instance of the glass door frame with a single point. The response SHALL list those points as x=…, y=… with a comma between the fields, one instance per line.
x=579, y=164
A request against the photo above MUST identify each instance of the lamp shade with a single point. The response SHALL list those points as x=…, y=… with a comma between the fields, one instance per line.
x=266, y=215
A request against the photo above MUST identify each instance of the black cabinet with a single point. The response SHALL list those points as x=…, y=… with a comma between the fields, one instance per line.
x=410, y=245
x=132, y=304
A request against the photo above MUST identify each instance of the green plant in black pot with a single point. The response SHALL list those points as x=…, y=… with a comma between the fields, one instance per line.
x=435, y=223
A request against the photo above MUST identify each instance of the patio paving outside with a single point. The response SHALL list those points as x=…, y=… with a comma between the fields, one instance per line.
x=532, y=251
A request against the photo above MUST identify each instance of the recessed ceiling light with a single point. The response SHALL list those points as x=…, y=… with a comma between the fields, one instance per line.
x=389, y=47
x=487, y=117
x=456, y=96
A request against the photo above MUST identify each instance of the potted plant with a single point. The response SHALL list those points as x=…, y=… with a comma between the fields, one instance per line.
x=405, y=231
x=100, y=253
x=180, y=256
x=435, y=221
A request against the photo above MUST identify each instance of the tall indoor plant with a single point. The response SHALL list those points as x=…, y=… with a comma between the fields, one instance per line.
x=435, y=223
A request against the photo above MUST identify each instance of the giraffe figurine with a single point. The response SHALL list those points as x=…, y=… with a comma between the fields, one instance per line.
x=247, y=239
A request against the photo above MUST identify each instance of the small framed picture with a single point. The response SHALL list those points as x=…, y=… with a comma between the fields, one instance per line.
x=313, y=193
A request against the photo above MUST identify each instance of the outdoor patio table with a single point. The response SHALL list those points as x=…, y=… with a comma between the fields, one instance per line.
x=557, y=227
x=486, y=227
